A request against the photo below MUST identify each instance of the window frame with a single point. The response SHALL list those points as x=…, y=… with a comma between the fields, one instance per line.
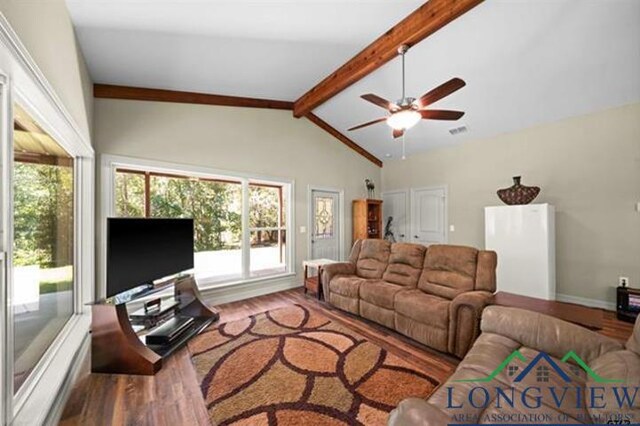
x=110, y=164
x=22, y=83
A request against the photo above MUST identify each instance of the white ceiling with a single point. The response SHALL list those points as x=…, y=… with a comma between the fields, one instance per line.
x=254, y=48
x=525, y=62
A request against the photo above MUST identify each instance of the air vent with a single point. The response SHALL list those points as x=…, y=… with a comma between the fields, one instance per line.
x=458, y=130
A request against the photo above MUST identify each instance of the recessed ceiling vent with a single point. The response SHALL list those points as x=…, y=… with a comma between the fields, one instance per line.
x=458, y=130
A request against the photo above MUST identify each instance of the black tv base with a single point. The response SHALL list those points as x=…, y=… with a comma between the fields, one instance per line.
x=116, y=348
x=165, y=350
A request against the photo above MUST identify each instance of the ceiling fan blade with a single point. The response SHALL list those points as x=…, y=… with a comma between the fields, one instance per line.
x=381, y=102
x=440, y=92
x=368, y=124
x=440, y=114
x=397, y=133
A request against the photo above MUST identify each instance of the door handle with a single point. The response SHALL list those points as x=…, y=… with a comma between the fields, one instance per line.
x=415, y=236
x=401, y=235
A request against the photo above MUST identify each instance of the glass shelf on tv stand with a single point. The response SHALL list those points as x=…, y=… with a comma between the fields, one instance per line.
x=142, y=291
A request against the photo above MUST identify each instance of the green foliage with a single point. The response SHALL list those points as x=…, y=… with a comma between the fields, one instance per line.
x=129, y=195
x=216, y=207
x=263, y=213
x=43, y=215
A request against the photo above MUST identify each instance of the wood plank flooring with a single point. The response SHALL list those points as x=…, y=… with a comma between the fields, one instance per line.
x=172, y=397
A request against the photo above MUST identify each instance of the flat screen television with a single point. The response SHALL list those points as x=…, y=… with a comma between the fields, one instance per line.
x=140, y=251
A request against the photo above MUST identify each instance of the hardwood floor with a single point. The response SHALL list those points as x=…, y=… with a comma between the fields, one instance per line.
x=172, y=397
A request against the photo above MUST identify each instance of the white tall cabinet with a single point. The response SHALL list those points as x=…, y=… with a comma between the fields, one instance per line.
x=524, y=238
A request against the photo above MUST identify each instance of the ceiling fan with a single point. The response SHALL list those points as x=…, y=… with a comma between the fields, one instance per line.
x=407, y=112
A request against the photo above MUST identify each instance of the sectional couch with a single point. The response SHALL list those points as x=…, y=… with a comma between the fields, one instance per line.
x=433, y=295
x=536, y=396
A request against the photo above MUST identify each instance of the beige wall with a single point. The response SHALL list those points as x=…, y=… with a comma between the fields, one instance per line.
x=588, y=167
x=44, y=27
x=265, y=142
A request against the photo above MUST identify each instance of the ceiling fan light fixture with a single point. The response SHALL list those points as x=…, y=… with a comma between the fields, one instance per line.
x=403, y=120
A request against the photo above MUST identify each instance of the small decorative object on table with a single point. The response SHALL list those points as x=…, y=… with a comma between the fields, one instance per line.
x=371, y=188
x=314, y=283
x=518, y=193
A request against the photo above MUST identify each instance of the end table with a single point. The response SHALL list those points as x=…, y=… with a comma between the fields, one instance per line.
x=314, y=283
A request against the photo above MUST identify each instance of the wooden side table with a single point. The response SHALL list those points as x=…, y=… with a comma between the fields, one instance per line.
x=314, y=283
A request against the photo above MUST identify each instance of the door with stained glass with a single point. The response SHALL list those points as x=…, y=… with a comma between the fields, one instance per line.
x=325, y=237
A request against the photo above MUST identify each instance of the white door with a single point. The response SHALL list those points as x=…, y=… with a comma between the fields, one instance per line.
x=395, y=208
x=325, y=225
x=428, y=216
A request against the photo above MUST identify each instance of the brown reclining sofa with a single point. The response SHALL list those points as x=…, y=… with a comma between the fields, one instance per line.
x=595, y=396
x=434, y=295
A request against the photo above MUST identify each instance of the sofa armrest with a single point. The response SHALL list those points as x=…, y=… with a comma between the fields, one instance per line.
x=465, y=312
x=417, y=412
x=331, y=270
x=546, y=334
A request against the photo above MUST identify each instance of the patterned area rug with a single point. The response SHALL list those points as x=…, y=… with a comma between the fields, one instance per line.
x=292, y=366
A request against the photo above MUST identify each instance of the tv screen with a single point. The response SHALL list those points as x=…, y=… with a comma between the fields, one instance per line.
x=140, y=251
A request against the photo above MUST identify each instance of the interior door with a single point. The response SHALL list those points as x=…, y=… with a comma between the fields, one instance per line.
x=428, y=216
x=325, y=225
x=395, y=210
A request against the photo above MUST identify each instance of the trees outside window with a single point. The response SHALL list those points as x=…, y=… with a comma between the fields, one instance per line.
x=43, y=243
x=216, y=208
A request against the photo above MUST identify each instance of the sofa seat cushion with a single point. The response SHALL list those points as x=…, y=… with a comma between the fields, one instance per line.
x=346, y=285
x=379, y=293
x=424, y=308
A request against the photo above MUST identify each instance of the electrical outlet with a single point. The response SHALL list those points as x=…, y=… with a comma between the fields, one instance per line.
x=623, y=281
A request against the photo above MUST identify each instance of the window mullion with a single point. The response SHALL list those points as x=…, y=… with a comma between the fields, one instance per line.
x=246, y=233
x=147, y=194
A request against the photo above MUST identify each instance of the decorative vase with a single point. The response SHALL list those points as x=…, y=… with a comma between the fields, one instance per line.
x=518, y=193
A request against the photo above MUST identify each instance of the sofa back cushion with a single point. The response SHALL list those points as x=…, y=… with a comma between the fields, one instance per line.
x=633, y=344
x=373, y=258
x=449, y=270
x=405, y=264
x=486, y=270
x=355, y=251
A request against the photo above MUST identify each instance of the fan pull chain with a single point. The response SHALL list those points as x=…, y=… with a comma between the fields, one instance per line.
x=404, y=156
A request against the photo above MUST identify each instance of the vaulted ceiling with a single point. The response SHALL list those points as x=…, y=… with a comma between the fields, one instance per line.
x=525, y=62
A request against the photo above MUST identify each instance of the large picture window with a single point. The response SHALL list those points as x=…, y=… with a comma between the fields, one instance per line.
x=216, y=205
x=43, y=246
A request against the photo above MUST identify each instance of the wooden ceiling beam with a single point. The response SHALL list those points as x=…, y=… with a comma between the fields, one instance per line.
x=342, y=138
x=108, y=91
x=420, y=24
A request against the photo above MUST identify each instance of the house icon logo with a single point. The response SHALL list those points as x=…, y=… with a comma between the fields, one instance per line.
x=542, y=365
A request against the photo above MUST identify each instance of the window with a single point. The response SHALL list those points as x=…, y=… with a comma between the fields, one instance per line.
x=216, y=205
x=267, y=228
x=324, y=218
x=43, y=246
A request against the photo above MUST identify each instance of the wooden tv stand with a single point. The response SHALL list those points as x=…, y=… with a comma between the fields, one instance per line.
x=117, y=349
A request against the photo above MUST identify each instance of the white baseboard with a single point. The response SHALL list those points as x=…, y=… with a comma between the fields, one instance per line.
x=593, y=303
x=217, y=296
